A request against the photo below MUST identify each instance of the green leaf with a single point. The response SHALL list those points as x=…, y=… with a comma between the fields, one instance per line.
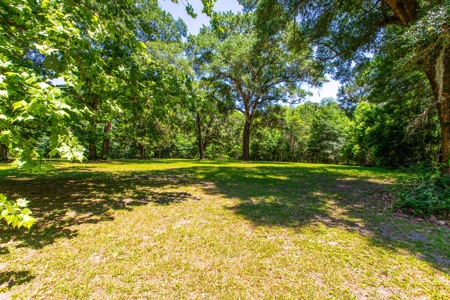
x=22, y=202
x=5, y=64
x=142, y=45
x=16, y=213
x=43, y=85
x=26, y=211
x=28, y=221
x=4, y=93
x=20, y=104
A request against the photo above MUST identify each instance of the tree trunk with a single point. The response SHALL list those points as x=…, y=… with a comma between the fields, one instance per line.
x=106, y=141
x=92, y=146
x=3, y=152
x=438, y=73
x=405, y=10
x=246, y=141
x=437, y=70
x=201, y=149
x=141, y=151
x=92, y=151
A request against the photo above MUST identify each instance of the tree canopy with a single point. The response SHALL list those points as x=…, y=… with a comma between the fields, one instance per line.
x=413, y=34
x=256, y=71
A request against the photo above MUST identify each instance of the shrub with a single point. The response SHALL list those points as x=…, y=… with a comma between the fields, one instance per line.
x=423, y=191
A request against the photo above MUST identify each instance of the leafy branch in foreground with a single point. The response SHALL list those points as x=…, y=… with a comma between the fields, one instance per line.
x=16, y=212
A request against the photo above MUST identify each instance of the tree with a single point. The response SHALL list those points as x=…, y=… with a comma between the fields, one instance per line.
x=3, y=152
x=92, y=45
x=299, y=122
x=328, y=132
x=268, y=141
x=399, y=125
x=257, y=71
x=204, y=107
x=360, y=144
x=148, y=83
x=344, y=32
x=229, y=144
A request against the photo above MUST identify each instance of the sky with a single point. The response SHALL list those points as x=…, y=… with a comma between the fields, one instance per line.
x=194, y=25
x=328, y=89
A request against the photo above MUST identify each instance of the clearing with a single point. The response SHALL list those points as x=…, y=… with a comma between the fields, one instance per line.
x=180, y=229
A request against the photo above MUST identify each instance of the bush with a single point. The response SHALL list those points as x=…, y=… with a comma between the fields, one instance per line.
x=423, y=191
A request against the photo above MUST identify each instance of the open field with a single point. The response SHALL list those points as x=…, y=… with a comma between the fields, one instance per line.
x=179, y=229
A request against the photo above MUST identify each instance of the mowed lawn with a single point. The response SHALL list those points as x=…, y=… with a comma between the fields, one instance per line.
x=180, y=229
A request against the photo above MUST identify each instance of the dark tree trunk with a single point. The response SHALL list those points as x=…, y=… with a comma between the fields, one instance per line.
x=92, y=144
x=92, y=152
x=437, y=70
x=246, y=141
x=3, y=152
x=405, y=10
x=438, y=73
x=141, y=151
x=105, y=148
x=201, y=149
x=106, y=141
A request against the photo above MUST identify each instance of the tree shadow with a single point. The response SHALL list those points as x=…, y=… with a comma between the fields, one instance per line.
x=332, y=197
x=63, y=201
x=151, y=161
x=286, y=195
x=12, y=278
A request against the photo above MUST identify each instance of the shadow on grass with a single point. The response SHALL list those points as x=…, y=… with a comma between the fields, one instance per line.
x=330, y=196
x=287, y=195
x=11, y=278
x=61, y=202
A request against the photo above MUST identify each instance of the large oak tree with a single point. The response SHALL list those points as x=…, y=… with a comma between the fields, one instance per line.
x=344, y=32
x=258, y=71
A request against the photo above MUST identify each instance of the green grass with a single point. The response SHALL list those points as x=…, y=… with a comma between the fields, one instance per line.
x=178, y=229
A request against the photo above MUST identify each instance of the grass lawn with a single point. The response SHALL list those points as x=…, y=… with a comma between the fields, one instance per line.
x=179, y=229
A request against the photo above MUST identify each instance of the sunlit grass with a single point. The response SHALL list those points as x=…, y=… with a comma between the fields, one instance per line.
x=180, y=229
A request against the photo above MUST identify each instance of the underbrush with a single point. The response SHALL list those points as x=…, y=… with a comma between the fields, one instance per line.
x=423, y=191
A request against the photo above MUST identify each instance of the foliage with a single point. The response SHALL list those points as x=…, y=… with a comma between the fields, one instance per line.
x=66, y=68
x=394, y=122
x=299, y=122
x=347, y=33
x=328, y=133
x=359, y=147
x=392, y=135
x=423, y=191
x=256, y=71
x=16, y=213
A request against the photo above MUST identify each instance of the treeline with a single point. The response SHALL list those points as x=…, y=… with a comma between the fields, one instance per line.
x=367, y=135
